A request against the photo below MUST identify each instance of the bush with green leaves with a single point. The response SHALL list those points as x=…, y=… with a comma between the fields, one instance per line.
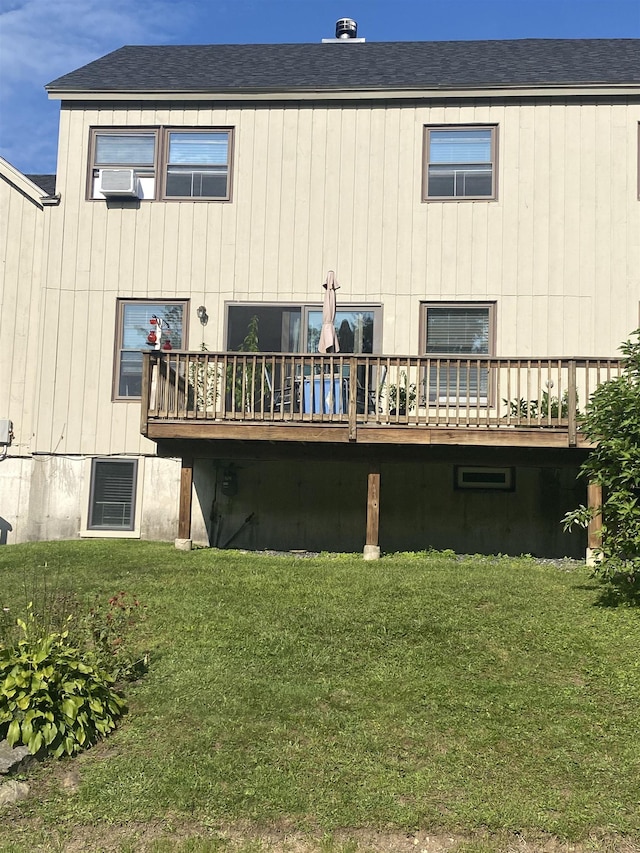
x=53, y=697
x=612, y=423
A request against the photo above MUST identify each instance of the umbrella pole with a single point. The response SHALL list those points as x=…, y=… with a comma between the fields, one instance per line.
x=371, y=548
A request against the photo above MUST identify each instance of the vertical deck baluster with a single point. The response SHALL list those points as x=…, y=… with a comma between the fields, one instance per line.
x=571, y=404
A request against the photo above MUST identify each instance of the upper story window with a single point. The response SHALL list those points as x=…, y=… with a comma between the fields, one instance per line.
x=198, y=164
x=460, y=163
x=166, y=163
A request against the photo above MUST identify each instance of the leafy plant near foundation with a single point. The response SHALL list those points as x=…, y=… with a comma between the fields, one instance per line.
x=53, y=697
x=612, y=422
x=61, y=665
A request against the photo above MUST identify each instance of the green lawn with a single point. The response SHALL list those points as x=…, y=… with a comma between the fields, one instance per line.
x=489, y=699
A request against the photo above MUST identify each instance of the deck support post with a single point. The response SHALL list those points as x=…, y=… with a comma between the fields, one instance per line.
x=594, y=530
x=183, y=542
x=371, y=548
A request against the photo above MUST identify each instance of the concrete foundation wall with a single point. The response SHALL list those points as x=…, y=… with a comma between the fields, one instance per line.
x=310, y=505
x=47, y=497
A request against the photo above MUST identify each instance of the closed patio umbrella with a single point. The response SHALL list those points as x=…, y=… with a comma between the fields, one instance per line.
x=328, y=338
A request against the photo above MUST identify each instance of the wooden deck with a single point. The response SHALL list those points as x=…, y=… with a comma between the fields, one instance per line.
x=519, y=402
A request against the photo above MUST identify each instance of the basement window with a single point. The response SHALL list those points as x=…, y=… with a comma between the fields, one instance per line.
x=480, y=478
x=113, y=492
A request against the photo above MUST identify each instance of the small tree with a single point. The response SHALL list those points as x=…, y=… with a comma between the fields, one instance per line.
x=241, y=381
x=612, y=422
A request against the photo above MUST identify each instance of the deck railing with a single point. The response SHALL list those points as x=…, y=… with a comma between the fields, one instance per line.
x=371, y=390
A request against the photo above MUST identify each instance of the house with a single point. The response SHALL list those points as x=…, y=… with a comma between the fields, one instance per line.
x=161, y=306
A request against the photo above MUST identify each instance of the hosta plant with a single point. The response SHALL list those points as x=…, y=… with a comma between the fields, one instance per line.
x=52, y=697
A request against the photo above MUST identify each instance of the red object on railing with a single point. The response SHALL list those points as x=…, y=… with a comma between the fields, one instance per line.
x=166, y=345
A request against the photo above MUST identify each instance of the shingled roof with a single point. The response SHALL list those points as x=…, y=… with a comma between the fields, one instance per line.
x=362, y=66
x=45, y=182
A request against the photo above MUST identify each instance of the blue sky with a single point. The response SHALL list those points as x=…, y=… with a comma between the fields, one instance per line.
x=43, y=39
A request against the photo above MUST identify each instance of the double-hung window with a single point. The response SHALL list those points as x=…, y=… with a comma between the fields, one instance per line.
x=460, y=163
x=197, y=164
x=120, y=150
x=167, y=163
x=455, y=336
x=136, y=320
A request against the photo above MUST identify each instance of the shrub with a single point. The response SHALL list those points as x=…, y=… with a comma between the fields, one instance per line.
x=52, y=696
x=612, y=423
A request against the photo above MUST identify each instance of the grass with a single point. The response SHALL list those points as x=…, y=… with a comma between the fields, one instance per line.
x=485, y=698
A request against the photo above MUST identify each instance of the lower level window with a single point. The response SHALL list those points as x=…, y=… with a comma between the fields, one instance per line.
x=296, y=328
x=113, y=490
x=144, y=324
x=454, y=335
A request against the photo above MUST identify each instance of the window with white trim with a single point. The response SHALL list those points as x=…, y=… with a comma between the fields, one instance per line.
x=460, y=163
x=143, y=324
x=113, y=493
x=169, y=163
x=451, y=331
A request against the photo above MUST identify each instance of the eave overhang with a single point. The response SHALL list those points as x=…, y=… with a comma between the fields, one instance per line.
x=25, y=185
x=229, y=95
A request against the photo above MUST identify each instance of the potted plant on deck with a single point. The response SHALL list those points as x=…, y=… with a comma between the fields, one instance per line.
x=402, y=395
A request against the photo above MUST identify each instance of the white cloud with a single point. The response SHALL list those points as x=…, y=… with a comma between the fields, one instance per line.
x=42, y=39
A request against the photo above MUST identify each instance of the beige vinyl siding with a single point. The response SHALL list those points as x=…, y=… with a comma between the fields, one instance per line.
x=22, y=223
x=317, y=187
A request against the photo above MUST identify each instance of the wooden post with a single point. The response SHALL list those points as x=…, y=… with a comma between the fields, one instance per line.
x=594, y=531
x=184, y=511
x=371, y=548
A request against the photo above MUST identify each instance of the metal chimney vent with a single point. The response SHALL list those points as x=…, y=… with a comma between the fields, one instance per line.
x=346, y=28
x=346, y=33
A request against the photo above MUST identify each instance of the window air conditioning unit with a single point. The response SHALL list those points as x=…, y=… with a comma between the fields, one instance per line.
x=118, y=183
